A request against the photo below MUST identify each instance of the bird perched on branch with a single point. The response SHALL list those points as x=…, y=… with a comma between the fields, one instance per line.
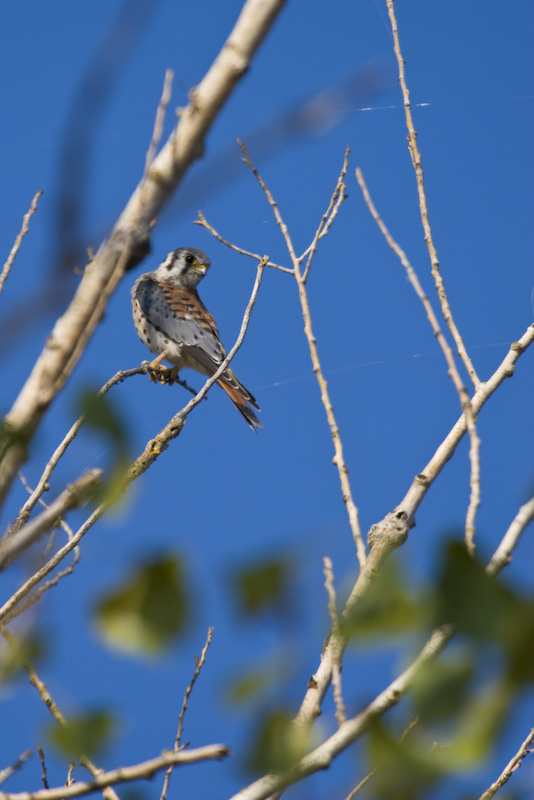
x=172, y=322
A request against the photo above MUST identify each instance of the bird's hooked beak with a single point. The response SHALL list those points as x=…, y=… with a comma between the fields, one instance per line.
x=200, y=268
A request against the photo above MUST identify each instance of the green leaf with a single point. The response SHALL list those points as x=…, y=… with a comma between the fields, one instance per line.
x=278, y=744
x=474, y=602
x=250, y=685
x=486, y=610
x=386, y=609
x=480, y=722
x=149, y=610
x=85, y=735
x=101, y=415
x=264, y=588
x=441, y=687
x=13, y=656
x=405, y=770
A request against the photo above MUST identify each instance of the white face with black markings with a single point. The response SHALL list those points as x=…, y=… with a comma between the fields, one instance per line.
x=183, y=267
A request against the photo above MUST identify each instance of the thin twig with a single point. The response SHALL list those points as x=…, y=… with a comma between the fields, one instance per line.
x=202, y=221
x=503, y=554
x=141, y=771
x=42, y=484
x=66, y=527
x=6, y=269
x=19, y=609
x=392, y=530
x=69, y=779
x=332, y=610
x=76, y=494
x=7, y=772
x=44, y=777
x=199, y=662
x=329, y=216
x=278, y=217
x=510, y=768
x=416, y=161
x=34, y=598
x=159, y=121
x=8, y=609
x=360, y=785
x=350, y=731
x=338, y=459
x=474, y=451
x=411, y=725
x=353, y=729
x=53, y=708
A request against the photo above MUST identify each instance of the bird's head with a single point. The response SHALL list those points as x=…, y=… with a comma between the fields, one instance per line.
x=184, y=267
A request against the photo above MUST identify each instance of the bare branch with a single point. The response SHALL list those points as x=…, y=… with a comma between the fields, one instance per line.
x=142, y=771
x=427, y=476
x=392, y=531
x=42, y=485
x=177, y=744
x=510, y=768
x=17, y=609
x=7, y=772
x=503, y=554
x=6, y=269
x=128, y=241
x=322, y=756
x=364, y=781
x=54, y=710
x=336, y=643
x=329, y=216
x=416, y=161
x=159, y=121
x=351, y=730
x=44, y=777
x=74, y=495
x=272, y=202
x=465, y=402
x=6, y=611
x=202, y=221
x=338, y=459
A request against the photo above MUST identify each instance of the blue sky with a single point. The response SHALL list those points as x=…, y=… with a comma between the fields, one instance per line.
x=222, y=497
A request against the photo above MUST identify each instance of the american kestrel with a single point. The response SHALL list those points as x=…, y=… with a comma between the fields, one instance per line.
x=172, y=321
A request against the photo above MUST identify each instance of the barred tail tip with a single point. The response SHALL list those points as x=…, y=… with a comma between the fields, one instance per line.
x=242, y=406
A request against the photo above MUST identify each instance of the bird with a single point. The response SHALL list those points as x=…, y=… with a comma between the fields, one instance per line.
x=171, y=320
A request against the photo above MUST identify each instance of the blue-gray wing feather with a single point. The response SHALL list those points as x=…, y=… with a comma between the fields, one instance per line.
x=180, y=315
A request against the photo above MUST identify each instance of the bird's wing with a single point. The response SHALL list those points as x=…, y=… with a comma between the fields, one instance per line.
x=179, y=314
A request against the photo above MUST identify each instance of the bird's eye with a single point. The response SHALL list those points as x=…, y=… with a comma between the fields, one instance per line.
x=190, y=259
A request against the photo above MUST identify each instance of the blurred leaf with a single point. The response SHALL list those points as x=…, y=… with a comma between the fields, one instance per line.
x=277, y=744
x=474, y=602
x=441, y=688
x=386, y=609
x=480, y=722
x=404, y=769
x=148, y=611
x=486, y=610
x=86, y=735
x=30, y=648
x=101, y=415
x=111, y=490
x=249, y=685
x=10, y=436
x=520, y=645
x=136, y=793
x=265, y=588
